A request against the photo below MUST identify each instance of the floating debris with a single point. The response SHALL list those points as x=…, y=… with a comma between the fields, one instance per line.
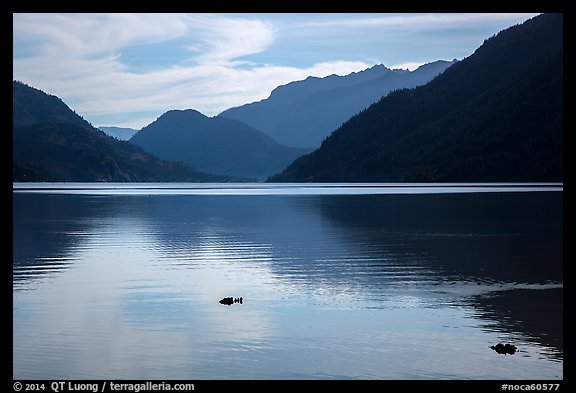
x=230, y=300
x=504, y=349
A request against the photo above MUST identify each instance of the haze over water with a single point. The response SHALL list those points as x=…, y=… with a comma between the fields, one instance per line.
x=122, y=281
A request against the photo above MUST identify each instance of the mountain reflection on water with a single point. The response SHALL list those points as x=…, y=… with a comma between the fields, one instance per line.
x=502, y=252
x=499, y=254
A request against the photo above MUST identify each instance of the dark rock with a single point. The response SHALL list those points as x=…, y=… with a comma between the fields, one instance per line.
x=504, y=349
x=230, y=300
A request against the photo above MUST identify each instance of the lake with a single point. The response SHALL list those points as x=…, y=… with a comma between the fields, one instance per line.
x=341, y=281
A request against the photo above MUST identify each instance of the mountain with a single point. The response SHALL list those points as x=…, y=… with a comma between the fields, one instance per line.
x=497, y=115
x=215, y=144
x=303, y=113
x=120, y=133
x=52, y=143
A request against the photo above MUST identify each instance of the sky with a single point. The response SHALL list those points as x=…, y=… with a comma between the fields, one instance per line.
x=127, y=69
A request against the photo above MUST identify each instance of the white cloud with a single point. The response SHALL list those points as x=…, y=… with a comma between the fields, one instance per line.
x=205, y=88
x=225, y=39
x=420, y=21
x=78, y=57
x=214, y=62
x=85, y=35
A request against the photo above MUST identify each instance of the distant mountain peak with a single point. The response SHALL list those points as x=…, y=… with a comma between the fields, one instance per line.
x=303, y=113
x=120, y=133
x=214, y=144
x=183, y=112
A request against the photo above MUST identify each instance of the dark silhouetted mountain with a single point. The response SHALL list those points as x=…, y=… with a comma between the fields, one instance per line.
x=120, y=133
x=304, y=113
x=495, y=116
x=52, y=143
x=31, y=107
x=215, y=145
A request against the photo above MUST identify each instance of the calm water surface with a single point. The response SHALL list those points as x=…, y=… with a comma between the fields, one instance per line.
x=338, y=282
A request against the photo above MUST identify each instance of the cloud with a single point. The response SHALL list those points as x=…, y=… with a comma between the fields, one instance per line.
x=137, y=66
x=224, y=38
x=208, y=89
x=86, y=35
x=82, y=58
x=418, y=21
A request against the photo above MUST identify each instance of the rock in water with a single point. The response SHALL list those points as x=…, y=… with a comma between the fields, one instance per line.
x=504, y=349
x=229, y=300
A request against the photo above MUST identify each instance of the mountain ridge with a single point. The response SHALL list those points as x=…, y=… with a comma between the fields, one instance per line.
x=494, y=116
x=120, y=133
x=50, y=142
x=303, y=113
x=215, y=145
